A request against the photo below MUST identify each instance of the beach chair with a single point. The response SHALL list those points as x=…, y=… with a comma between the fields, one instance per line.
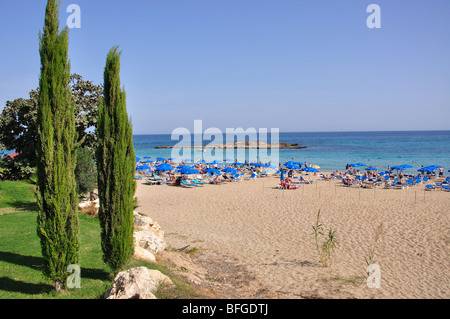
x=185, y=183
x=397, y=185
x=236, y=178
x=304, y=181
x=253, y=176
x=445, y=188
x=197, y=182
x=151, y=181
x=410, y=182
x=429, y=187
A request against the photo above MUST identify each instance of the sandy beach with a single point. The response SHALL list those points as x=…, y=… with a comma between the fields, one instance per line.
x=267, y=233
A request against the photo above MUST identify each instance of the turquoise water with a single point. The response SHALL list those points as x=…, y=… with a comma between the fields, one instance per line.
x=333, y=150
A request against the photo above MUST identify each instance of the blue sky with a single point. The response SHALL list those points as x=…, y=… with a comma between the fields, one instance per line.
x=293, y=65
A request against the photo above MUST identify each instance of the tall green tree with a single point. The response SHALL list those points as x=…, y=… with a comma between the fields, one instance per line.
x=18, y=130
x=115, y=165
x=57, y=222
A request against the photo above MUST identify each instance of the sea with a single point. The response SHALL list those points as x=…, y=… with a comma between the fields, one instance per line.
x=329, y=150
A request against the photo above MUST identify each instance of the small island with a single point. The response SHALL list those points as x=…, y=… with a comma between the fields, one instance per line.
x=242, y=145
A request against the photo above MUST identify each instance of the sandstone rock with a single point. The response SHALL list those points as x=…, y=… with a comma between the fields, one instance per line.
x=146, y=223
x=143, y=254
x=137, y=283
x=148, y=240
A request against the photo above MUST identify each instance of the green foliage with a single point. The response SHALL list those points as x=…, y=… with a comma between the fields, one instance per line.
x=18, y=132
x=57, y=222
x=18, y=129
x=85, y=171
x=15, y=169
x=20, y=255
x=327, y=246
x=115, y=166
x=86, y=97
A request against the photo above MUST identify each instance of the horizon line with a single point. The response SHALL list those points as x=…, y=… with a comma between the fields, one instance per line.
x=387, y=131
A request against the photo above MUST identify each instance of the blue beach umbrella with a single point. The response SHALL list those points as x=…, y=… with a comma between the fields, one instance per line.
x=293, y=166
x=425, y=169
x=212, y=171
x=310, y=169
x=237, y=163
x=357, y=165
x=148, y=157
x=407, y=166
x=160, y=159
x=142, y=167
x=229, y=170
x=137, y=159
x=189, y=171
x=371, y=168
x=163, y=168
x=256, y=164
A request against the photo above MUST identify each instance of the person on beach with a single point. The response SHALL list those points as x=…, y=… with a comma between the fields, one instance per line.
x=441, y=172
x=347, y=180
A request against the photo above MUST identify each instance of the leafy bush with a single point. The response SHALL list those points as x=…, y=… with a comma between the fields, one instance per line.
x=85, y=171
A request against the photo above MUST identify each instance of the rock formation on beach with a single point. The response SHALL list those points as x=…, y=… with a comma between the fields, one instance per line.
x=137, y=283
x=246, y=145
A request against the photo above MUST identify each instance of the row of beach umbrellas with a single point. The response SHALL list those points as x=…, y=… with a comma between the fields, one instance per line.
x=430, y=168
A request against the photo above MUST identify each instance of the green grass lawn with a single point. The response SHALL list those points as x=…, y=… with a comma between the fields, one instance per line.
x=17, y=196
x=21, y=259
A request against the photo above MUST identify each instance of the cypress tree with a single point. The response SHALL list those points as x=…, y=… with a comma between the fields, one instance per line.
x=115, y=166
x=57, y=221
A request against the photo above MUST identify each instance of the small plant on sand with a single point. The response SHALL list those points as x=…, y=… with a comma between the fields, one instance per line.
x=327, y=247
x=370, y=259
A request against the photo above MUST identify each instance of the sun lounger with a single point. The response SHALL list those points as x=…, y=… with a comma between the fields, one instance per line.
x=187, y=184
x=237, y=178
x=446, y=188
x=152, y=181
x=429, y=187
x=302, y=180
x=197, y=182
